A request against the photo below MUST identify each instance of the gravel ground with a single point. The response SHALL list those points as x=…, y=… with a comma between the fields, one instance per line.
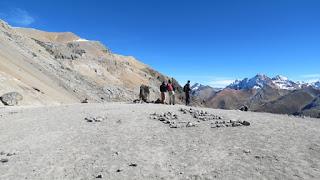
x=128, y=141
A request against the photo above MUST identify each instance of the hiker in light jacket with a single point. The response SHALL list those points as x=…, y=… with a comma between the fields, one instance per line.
x=171, y=89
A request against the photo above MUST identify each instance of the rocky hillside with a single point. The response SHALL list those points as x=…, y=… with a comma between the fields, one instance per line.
x=55, y=68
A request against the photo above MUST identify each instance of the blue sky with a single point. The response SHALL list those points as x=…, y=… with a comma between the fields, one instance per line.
x=208, y=41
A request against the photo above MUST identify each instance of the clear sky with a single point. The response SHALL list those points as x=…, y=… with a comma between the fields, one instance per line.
x=208, y=41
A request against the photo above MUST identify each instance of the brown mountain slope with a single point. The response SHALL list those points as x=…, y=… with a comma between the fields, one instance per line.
x=54, y=68
x=57, y=37
x=265, y=95
x=291, y=103
x=313, y=108
x=229, y=99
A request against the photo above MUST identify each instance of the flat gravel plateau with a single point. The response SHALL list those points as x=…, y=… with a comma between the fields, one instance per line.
x=130, y=141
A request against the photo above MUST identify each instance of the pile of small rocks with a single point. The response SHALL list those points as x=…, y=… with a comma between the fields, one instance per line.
x=218, y=121
x=4, y=156
x=95, y=119
x=200, y=114
x=230, y=123
x=198, y=117
x=172, y=120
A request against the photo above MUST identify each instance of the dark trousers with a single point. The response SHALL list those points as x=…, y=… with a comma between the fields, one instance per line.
x=163, y=97
x=187, y=98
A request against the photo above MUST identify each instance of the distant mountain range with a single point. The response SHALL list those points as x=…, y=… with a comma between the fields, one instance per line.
x=280, y=82
x=264, y=94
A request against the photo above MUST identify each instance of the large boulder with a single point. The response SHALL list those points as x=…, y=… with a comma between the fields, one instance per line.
x=144, y=93
x=11, y=98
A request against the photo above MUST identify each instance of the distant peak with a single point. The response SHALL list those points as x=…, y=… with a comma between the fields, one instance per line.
x=260, y=75
x=257, y=82
x=316, y=84
x=196, y=86
x=280, y=77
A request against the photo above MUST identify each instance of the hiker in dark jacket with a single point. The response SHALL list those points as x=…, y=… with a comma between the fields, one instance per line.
x=171, y=89
x=187, y=90
x=163, y=90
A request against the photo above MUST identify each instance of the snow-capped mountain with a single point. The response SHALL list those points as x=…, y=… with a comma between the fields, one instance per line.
x=196, y=87
x=260, y=81
x=200, y=87
x=257, y=82
x=283, y=82
x=201, y=93
x=316, y=85
x=262, y=93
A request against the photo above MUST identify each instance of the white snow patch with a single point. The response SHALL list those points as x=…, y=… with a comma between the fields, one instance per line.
x=82, y=40
x=316, y=85
x=281, y=85
x=256, y=87
x=196, y=87
x=281, y=78
x=283, y=82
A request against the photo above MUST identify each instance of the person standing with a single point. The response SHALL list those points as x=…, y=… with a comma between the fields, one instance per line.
x=163, y=90
x=186, y=90
x=171, y=89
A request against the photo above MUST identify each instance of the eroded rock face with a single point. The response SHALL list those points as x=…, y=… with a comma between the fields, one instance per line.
x=71, y=50
x=11, y=98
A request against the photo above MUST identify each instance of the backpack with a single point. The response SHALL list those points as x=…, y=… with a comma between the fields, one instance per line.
x=186, y=88
x=170, y=87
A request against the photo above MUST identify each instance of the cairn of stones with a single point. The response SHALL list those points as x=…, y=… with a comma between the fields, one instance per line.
x=199, y=116
x=217, y=121
x=168, y=118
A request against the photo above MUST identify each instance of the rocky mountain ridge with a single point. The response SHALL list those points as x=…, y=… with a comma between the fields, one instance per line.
x=261, y=80
x=58, y=68
x=264, y=94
